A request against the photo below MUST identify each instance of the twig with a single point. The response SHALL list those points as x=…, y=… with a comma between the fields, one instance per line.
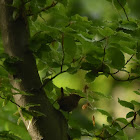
x=123, y=9
x=128, y=79
x=63, y=53
x=125, y=64
x=4, y=68
x=129, y=59
x=47, y=80
x=131, y=122
x=43, y=9
x=104, y=51
x=11, y=101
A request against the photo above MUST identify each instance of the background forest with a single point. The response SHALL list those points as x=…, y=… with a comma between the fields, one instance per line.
x=106, y=92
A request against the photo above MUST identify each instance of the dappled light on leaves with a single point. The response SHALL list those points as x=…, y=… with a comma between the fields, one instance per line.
x=79, y=58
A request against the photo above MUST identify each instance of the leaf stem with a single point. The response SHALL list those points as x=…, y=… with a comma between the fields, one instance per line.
x=123, y=9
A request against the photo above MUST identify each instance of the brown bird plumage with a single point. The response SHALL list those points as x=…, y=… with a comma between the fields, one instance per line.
x=68, y=103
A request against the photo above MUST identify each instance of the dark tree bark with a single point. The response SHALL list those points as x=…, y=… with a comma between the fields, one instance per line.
x=15, y=35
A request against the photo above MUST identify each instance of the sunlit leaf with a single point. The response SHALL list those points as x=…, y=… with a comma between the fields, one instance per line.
x=122, y=120
x=103, y=112
x=126, y=104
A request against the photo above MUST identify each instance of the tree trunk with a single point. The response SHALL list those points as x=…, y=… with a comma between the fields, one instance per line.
x=15, y=35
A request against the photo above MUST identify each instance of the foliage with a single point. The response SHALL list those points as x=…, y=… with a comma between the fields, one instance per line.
x=64, y=43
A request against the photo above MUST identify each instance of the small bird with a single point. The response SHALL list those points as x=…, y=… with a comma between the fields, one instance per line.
x=68, y=103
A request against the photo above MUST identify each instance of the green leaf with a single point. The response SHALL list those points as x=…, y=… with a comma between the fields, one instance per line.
x=34, y=8
x=126, y=104
x=120, y=36
x=96, y=62
x=106, y=70
x=138, y=93
x=128, y=25
x=104, y=112
x=90, y=76
x=37, y=114
x=26, y=114
x=122, y=120
x=41, y=2
x=64, y=2
x=113, y=129
x=138, y=112
x=102, y=95
x=135, y=102
x=109, y=1
x=130, y=114
x=74, y=133
x=72, y=70
x=123, y=47
x=19, y=120
x=40, y=41
x=109, y=119
x=15, y=14
x=119, y=3
x=6, y=100
x=16, y=3
x=49, y=86
x=87, y=66
x=7, y=135
x=70, y=46
x=106, y=31
x=10, y=64
x=112, y=54
x=138, y=51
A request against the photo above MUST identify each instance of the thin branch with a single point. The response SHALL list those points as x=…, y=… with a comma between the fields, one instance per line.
x=63, y=53
x=125, y=64
x=104, y=52
x=43, y=9
x=129, y=59
x=128, y=79
x=123, y=9
x=131, y=122
x=47, y=80
x=3, y=68
x=10, y=101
